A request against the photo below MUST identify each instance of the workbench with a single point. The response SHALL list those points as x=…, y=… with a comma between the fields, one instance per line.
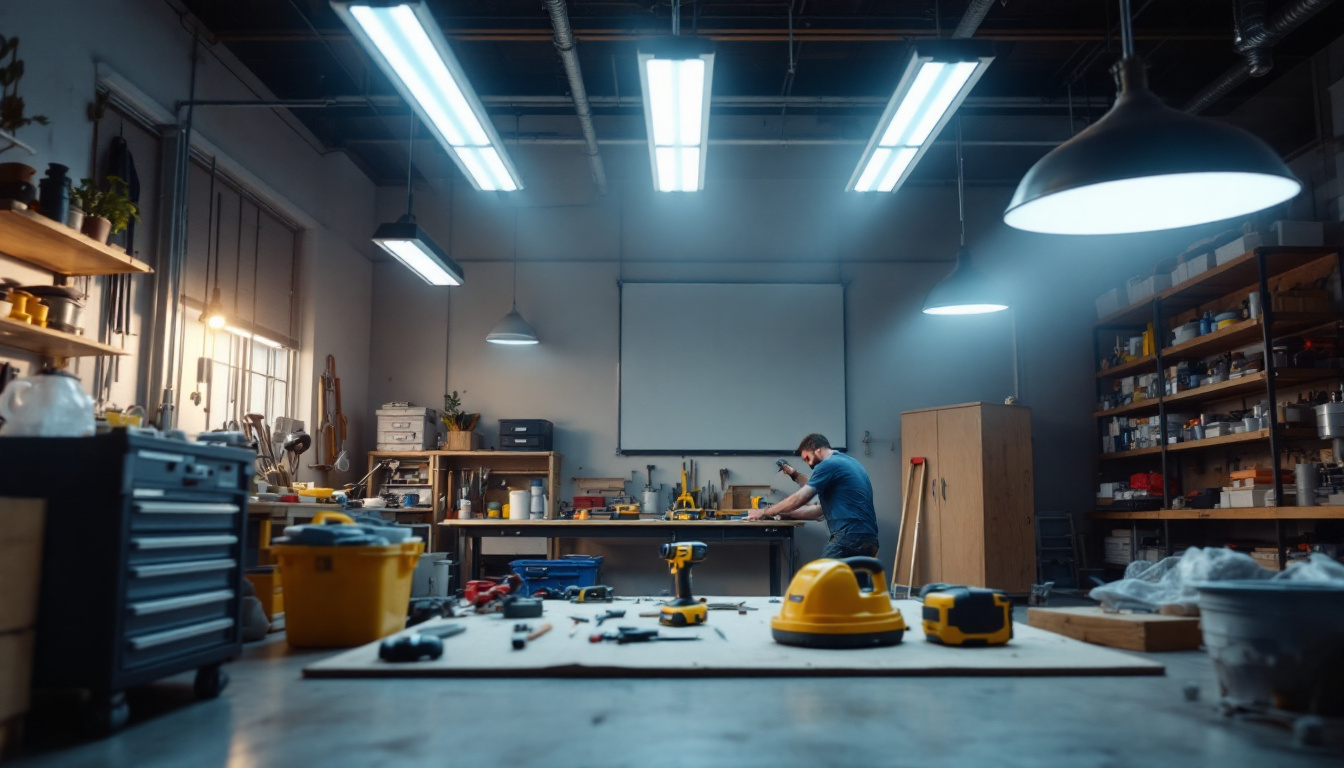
x=467, y=535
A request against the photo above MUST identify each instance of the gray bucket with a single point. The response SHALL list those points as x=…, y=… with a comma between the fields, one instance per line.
x=431, y=577
x=1276, y=644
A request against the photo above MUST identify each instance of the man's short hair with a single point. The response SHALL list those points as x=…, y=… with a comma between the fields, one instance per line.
x=813, y=442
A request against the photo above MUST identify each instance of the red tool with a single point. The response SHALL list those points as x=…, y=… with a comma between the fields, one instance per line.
x=486, y=595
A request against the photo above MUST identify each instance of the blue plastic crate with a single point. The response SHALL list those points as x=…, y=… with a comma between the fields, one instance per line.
x=571, y=571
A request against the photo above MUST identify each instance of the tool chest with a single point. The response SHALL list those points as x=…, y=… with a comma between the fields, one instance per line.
x=569, y=571
x=142, y=567
x=525, y=435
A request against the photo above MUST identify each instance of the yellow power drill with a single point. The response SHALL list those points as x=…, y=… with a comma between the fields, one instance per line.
x=684, y=611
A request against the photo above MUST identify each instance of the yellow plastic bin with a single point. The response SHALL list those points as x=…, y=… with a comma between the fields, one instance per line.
x=337, y=597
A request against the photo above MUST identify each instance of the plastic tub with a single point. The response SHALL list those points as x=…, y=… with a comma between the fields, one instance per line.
x=1276, y=644
x=342, y=596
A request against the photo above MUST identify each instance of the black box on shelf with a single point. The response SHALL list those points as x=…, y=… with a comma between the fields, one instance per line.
x=525, y=435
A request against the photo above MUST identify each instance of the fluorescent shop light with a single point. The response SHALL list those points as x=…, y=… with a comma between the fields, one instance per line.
x=405, y=42
x=676, y=76
x=257, y=337
x=413, y=247
x=937, y=77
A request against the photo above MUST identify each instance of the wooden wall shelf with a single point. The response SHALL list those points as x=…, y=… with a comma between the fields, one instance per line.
x=1295, y=433
x=1253, y=513
x=34, y=238
x=51, y=343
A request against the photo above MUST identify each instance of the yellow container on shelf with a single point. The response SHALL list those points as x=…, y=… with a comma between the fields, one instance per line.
x=342, y=596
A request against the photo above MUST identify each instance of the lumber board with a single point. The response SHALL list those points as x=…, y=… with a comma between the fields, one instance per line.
x=1131, y=631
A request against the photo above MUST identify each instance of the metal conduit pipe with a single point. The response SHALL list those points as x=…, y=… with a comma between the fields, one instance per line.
x=1269, y=34
x=564, y=45
x=970, y=21
x=1249, y=29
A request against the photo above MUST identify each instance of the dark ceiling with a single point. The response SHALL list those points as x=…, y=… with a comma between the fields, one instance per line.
x=1046, y=51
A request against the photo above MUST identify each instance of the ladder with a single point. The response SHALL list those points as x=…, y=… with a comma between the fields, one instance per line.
x=1056, y=550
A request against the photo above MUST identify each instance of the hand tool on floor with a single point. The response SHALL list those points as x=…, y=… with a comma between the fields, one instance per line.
x=521, y=607
x=599, y=593
x=914, y=496
x=427, y=643
x=838, y=604
x=523, y=634
x=577, y=621
x=624, y=635
x=615, y=613
x=684, y=610
x=969, y=617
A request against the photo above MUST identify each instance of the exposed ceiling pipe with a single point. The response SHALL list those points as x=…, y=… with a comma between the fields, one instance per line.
x=970, y=21
x=564, y=45
x=1254, y=44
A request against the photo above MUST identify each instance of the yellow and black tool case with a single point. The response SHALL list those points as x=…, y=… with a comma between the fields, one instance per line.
x=966, y=616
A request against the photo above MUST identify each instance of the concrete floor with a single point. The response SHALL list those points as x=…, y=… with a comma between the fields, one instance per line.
x=269, y=716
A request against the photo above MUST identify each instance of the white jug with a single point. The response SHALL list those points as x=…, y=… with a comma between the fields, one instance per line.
x=49, y=403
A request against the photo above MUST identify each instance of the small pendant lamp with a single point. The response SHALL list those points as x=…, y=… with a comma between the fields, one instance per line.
x=512, y=328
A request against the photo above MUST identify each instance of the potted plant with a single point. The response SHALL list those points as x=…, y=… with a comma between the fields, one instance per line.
x=88, y=198
x=105, y=213
x=11, y=104
x=461, y=426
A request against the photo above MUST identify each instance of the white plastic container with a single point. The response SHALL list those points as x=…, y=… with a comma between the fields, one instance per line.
x=520, y=502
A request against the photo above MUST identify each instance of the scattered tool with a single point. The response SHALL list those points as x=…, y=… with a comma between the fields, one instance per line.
x=914, y=496
x=615, y=613
x=720, y=632
x=685, y=610
x=422, y=609
x=685, y=508
x=739, y=607
x=624, y=635
x=521, y=607
x=838, y=604
x=577, y=621
x=969, y=617
x=524, y=634
x=599, y=593
x=549, y=593
x=487, y=596
x=426, y=643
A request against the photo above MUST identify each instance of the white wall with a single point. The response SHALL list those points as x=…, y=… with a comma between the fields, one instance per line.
x=66, y=43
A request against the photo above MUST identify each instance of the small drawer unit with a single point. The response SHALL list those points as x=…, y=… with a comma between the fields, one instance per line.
x=142, y=578
x=526, y=435
x=407, y=428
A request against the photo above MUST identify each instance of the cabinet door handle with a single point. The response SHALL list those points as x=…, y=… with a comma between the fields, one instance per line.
x=944, y=489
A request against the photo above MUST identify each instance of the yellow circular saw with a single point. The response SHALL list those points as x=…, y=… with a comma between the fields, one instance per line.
x=839, y=604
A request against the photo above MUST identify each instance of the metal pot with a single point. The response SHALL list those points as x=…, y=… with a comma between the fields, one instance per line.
x=67, y=305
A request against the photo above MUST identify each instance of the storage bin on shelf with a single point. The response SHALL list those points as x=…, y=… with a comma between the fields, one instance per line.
x=570, y=571
x=345, y=594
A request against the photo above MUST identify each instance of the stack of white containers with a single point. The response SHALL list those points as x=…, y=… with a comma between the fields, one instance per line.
x=404, y=427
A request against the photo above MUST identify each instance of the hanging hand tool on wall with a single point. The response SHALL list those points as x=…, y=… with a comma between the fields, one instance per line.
x=331, y=432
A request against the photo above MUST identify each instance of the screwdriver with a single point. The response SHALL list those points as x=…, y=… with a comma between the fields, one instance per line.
x=632, y=635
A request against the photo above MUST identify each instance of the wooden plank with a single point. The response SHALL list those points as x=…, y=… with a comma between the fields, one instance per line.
x=748, y=651
x=919, y=438
x=1132, y=631
x=34, y=238
x=49, y=342
x=1242, y=513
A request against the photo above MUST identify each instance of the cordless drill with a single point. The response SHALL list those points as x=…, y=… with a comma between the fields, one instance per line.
x=684, y=611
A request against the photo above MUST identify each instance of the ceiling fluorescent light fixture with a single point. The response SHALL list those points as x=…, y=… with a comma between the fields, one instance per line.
x=406, y=242
x=408, y=46
x=937, y=77
x=676, y=76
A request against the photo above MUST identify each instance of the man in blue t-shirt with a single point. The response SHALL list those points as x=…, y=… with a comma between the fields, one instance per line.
x=838, y=490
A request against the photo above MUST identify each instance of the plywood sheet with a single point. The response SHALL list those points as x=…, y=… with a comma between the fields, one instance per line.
x=1131, y=631
x=748, y=651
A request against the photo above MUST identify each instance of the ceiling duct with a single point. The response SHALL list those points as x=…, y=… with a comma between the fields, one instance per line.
x=1255, y=38
x=970, y=21
x=564, y=45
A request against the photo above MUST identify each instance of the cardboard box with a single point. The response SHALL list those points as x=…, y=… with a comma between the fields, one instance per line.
x=1131, y=631
x=1142, y=289
x=20, y=561
x=1198, y=265
x=1238, y=247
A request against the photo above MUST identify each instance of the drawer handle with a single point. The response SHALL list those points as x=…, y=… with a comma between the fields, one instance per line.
x=149, y=607
x=181, y=542
x=176, y=635
x=177, y=569
x=184, y=508
x=171, y=458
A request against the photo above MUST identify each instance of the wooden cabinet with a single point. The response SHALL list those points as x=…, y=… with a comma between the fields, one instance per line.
x=977, y=525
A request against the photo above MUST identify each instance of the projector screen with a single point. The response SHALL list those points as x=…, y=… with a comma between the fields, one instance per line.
x=730, y=368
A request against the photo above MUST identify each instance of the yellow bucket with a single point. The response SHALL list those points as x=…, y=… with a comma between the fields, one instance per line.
x=337, y=597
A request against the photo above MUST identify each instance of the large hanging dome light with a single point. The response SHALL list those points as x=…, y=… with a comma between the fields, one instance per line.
x=1145, y=167
x=965, y=291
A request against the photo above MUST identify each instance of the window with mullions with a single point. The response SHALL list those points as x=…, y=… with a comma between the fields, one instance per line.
x=240, y=266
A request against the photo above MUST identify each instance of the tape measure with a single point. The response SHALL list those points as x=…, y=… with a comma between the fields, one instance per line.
x=966, y=616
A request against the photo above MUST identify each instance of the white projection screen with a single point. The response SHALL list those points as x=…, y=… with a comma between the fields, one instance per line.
x=730, y=368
